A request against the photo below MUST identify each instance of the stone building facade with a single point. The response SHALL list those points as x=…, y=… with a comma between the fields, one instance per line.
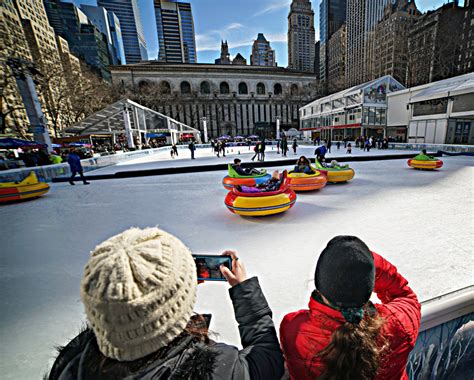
x=390, y=36
x=15, y=45
x=26, y=34
x=434, y=43
x=355, y=54
x=235, y=100
x=336, y=60
x=466, y=55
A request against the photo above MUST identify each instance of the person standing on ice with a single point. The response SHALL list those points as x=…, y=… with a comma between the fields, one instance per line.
x=349, y=148
x=75, y=165
x=284, y=146
x=139, y=290
x=320, y=153
x=192, y=148
x=295, y=145
x=262, y=150
x=223, y=146
x=343, y=334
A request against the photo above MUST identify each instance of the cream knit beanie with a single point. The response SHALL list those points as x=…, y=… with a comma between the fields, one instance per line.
x=139, y=290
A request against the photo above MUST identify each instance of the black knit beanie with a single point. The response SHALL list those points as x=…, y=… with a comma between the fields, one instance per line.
x=345, y=273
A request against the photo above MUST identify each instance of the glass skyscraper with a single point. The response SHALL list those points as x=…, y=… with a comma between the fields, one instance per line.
x=84, y=39
x=175, y=26
x=128, y=14
x=109, y=24
x=332, y=14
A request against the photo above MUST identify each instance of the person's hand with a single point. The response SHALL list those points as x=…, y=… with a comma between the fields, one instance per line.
x=238, y=274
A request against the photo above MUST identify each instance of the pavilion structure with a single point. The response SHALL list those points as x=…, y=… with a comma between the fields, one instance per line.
x=136, y=122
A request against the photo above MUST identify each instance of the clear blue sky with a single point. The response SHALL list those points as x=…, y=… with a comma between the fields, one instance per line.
x=238, y=22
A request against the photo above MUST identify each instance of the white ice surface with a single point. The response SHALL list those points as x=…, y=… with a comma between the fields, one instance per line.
x=207, y=157
x=422, y=221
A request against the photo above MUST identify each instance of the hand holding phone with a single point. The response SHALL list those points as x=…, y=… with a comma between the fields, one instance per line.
x=236, y=274
x=208, y=267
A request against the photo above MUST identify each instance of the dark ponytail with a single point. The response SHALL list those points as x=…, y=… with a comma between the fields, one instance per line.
x=355, y=349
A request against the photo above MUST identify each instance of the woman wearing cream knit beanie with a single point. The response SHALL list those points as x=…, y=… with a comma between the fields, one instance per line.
x=139, y=291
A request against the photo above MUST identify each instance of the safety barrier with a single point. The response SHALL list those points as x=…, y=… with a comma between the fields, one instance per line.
x=49, y=172
x=220, y=167
x=444, y=348
x=432, y=147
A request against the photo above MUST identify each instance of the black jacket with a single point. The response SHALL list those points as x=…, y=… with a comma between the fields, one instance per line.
x=188, y=357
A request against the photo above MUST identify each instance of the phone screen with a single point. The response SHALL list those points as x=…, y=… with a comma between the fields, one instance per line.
x=207, y=267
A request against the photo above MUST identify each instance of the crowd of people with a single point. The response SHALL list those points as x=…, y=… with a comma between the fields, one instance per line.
x=141, y=322
x=37, y=157
x=218, y=147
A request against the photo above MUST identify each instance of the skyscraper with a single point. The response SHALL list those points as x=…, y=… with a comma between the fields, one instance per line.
x=390, y=40
x=434, y=45
x=262, y=53
x=301, y=39
x=84, y=39
x=108, y=24
x=225, y=56
x=175, y=26
x=332, y=14
x=362, y=17
x=128, y=14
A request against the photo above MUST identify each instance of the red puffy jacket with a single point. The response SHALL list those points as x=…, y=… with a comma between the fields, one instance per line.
x=306, y=332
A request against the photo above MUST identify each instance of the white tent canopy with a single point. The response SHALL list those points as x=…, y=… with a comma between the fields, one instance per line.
x=130, y=118
x=459, y=85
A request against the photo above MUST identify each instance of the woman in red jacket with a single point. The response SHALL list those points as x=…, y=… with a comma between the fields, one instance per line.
x=343, y=335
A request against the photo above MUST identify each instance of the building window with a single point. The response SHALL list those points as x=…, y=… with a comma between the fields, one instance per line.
x=294, y=89
x=143, y=85
x=430, y=107
x=243, y=88
x=463, y=103
x=277, y=89
x=165, y=88
x=224, y=88
x=260, y=88
x=185, y=87
x=205, y=88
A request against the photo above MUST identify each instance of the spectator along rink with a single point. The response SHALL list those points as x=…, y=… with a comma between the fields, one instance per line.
x=422, y=221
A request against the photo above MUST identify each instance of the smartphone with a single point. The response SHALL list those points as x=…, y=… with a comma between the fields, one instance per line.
x=208, y=267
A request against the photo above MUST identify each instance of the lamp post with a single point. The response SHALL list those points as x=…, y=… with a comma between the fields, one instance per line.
x=23, y=71
x=128, y=128
x=278, y=118
x=204, y=127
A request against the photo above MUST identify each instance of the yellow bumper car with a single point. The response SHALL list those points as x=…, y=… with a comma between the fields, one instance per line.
x=29, y=188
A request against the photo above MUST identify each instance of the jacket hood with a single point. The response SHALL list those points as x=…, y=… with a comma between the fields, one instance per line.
x=186, y=358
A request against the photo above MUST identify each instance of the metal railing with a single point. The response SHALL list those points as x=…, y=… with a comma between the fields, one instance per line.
x=446, y=337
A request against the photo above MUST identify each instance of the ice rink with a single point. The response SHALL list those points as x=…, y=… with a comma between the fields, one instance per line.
x=422, y=221
x=207, y=157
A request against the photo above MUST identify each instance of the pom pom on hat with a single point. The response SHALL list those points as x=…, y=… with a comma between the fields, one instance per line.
x=139, y=291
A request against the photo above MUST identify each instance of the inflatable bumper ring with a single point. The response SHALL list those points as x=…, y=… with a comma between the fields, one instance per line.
x=29, y=188
x=260, y=204
x=233, y=179
x=306, y=182
x=336, y=174
x=425, y=164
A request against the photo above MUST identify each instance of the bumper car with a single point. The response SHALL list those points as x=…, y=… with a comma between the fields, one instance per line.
x=337, y=174
x=233, y=178
x=29, y=188
x=306, y=182
x=262, y=203
x=423, y=161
